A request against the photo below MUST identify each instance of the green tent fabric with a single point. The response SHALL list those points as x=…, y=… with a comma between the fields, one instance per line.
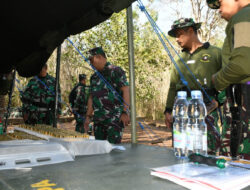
x=33, y=29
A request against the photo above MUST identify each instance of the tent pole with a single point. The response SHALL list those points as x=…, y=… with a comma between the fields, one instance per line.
x=58, y=62
x=131, y=73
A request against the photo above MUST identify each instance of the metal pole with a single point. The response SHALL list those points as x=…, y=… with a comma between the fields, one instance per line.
x=131, y=72
x=58, y=59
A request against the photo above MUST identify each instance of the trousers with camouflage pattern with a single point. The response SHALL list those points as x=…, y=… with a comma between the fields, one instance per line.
x=109, y=130
x=239, y=129
x=213, y=133
x=79, y=123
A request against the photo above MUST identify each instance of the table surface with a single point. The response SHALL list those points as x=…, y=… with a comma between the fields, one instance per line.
x=118, y=170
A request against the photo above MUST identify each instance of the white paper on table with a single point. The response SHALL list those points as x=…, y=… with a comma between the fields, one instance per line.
x=203, y=177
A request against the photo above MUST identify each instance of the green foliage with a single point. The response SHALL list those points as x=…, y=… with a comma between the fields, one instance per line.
x=150, y=59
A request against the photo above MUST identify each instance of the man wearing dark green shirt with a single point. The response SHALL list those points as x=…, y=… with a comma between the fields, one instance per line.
x=203, y=60
x=235, y=75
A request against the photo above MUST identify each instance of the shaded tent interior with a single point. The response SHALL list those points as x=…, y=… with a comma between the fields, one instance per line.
x=33, y=29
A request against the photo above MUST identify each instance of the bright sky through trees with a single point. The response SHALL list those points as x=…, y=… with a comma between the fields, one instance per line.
x=167, y=13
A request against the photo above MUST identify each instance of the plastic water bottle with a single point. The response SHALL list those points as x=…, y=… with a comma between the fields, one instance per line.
x=180, y=114
x=196, y=129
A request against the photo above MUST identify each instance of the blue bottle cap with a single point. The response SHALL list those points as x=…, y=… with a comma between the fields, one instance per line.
x=196, y=94
x=182, y=94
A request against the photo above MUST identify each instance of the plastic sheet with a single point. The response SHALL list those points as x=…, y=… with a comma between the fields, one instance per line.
x=28, y=153
x=203, y=177
x=76, y=146
x=79, y=147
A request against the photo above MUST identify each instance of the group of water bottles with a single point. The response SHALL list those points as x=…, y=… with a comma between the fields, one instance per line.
x=189, y=127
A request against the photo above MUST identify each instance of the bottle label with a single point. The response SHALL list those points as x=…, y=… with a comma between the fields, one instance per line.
x=197, y=139
x=190, y=140
x=183, y=140
x=204, y=142
x=179, y=139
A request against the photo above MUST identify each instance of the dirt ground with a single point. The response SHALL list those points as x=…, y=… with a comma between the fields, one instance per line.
x=155, y=133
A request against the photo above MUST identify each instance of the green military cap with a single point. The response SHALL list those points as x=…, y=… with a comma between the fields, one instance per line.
x=182, y=23
x=96, y=51
x=213, y=4
x=82, y=77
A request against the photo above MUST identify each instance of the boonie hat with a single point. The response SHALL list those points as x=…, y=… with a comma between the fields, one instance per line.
x=183, y=23
x=213, y=4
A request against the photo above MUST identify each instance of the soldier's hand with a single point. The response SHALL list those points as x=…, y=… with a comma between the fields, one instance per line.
x=86, y=124
x=125, y=119
x=211, y=106
x=168, y=119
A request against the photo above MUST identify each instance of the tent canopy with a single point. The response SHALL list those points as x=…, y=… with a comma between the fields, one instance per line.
x=33, y=29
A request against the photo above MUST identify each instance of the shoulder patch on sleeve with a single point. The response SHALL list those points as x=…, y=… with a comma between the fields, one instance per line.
x=242, y=34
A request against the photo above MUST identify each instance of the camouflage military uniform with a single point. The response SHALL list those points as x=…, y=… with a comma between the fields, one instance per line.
x=107, y=107
x=243, y=122
x=78, y=99
x=38, y=101
x=203, y=63
x=236, y=72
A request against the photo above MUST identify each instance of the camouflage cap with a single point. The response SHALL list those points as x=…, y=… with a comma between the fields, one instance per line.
x=213, y=4
x=96, y=51
x=82, y=77
x=183, y=23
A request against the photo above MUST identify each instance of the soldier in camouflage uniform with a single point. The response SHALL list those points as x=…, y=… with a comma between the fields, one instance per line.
x=110, y=115
x=5, y=84
x=203, y=60
x=235, y=76
x=39, y=101
x=78, y=99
